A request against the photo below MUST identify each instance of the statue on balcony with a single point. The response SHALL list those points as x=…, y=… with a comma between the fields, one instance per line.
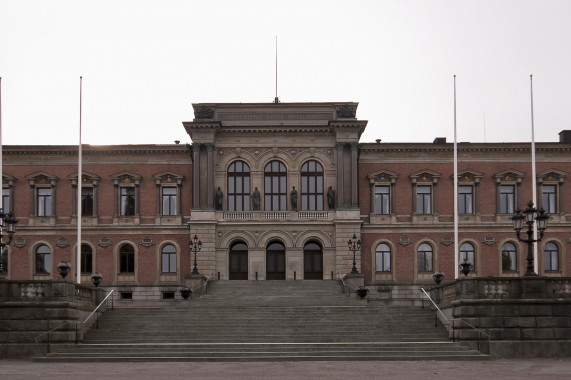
x=293, y=199
x=218, y=200
x=330, y=198
x=256, y=199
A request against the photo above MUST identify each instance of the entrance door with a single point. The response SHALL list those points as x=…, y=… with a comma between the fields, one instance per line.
x=275, y=262
x=238, y=262
x=312, y=262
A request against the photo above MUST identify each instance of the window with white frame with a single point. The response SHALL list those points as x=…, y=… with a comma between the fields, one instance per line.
x=43, y=259
x=468, y=254
x=238, y=186
x=312, y=198
x=425, y=258
x=168, y=259
x=509, y=257
x=383, y=258
x=551, y=257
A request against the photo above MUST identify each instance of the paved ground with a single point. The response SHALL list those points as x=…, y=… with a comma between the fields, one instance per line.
x=494, y=369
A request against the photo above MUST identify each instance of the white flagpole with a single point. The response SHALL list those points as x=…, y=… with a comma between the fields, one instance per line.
x=1, y=163
x=533, y=178
x=455, y=189
x=79, y=188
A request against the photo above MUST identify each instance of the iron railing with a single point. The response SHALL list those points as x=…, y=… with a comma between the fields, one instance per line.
x=456, y=319
x=77, y=323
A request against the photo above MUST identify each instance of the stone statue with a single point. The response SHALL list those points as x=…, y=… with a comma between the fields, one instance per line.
x=218, y=200
x=293, y=198
x=330, y=198
x=256, y=199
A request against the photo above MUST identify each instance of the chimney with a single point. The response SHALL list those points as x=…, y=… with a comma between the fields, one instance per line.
x=565, y=136
x=439, y=140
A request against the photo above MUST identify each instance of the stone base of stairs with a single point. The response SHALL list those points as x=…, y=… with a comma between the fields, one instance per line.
x=266, y=321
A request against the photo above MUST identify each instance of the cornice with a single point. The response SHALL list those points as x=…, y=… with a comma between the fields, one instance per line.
x=72, y=150
x=468, y=148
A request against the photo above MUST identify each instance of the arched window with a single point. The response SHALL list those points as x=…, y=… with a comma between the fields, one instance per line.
x=551, y=252
x=467, y=253
x=383, y=258
x=509, y=257
x=312, y=186
x=126, y=259
x=425, y=258
x=43, y=259
x=168, y=259
x=275, y=186
x=86, y=259
x=238, y=186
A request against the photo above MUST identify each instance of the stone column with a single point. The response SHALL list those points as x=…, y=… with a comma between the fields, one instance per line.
x=116, y=200
x=354, y=175
x=196, y=176
x=340, y=180
x=210, y=174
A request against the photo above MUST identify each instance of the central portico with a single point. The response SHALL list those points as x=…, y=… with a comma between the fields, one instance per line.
x=275, y=193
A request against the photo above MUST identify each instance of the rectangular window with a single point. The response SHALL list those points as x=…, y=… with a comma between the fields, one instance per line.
x=549, y=198
x=465, y=199
x=6, y=200
x=44, y=201
x=424, y=199
x=86, y=262
x=127, y=263
x=127, y=201
x=87, y=201
x=551, y=261
x=169, y=200
x=168, y=262
x=382, y=200
x=425, y=261
x=509, y=261
x=383, y=261
x=507, y=199
x=43, y=262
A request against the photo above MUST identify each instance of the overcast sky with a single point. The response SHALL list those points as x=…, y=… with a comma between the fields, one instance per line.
x=144, y=62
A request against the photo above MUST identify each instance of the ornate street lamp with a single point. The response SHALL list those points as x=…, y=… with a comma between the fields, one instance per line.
x=7, y=224
x=354, y=246
x=195, y=246
x=529, y=216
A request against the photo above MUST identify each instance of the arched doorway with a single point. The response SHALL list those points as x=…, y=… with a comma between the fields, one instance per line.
x=238, y=260
x=312, y=262
x=275, y=261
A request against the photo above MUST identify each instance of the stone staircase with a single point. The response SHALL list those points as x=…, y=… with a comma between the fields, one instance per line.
x=266, y=321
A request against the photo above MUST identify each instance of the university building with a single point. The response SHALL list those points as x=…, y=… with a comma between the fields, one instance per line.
x=274, y=191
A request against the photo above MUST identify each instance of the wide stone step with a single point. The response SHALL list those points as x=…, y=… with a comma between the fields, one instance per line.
x=265, y=352
x=266, y=321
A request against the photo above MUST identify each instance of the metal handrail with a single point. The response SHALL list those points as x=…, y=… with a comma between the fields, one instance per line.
x=76, y=322
x=458, y=319
x=205, y=285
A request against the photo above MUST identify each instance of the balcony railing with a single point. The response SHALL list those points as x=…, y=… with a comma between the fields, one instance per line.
x=275, y=215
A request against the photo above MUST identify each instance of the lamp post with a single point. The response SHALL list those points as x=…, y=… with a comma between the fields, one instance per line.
x=195, y=246
x=7, y=224
x=529, y=216
x=354, y=246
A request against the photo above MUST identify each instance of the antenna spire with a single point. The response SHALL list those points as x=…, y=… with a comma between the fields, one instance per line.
x=276, y=99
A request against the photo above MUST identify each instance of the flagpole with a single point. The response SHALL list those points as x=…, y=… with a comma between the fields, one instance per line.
x=79, y=188
x=455, y=189
x=1, y=163
x=533, y=178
